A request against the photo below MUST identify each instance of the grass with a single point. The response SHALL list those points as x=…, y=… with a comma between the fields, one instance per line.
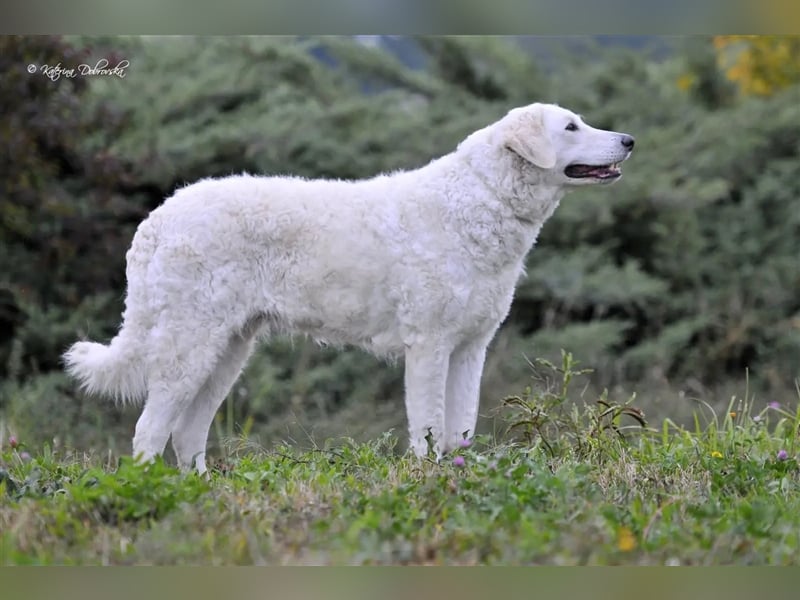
x=562, y=485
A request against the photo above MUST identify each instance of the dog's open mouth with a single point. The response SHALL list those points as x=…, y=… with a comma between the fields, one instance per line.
x=611, y=171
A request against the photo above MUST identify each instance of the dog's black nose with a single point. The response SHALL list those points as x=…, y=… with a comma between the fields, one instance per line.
x=627, y=141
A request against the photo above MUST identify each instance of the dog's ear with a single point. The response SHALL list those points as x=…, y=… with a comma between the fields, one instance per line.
x=527, y=137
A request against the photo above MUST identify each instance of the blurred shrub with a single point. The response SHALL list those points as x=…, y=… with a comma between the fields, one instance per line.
x=696, y=248
x=64, y=226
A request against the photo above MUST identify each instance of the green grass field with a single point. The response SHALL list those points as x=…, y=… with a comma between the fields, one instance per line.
x=562, y=485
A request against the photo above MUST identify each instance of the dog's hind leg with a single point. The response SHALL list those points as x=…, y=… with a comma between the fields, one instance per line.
x=182, y=357
x=190, y=432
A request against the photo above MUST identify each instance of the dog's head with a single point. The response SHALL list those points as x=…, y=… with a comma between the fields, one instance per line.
x=567, y=150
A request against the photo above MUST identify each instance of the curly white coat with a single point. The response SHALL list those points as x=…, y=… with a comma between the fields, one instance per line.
x=420, y=263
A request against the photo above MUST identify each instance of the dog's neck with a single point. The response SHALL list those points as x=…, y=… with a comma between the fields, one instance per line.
x=534, y=203
x=531, y=198
x=505, y=225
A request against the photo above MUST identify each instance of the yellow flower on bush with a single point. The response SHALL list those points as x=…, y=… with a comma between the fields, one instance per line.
x=759, y=65
x=626, y=541
x=686, y=81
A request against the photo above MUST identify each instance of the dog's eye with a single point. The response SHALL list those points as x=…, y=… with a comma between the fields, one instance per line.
x=571, y=127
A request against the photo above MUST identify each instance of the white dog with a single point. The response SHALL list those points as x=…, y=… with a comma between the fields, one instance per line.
x=421, y=263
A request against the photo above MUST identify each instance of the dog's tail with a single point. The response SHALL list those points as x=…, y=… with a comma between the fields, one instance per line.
x=119, y=369
x=114, y=370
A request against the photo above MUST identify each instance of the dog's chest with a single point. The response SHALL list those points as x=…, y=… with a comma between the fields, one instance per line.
x=454, y=299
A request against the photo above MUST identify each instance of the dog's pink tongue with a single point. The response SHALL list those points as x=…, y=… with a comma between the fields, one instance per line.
x=583, y=170
x=586, y=169
x=601, y=172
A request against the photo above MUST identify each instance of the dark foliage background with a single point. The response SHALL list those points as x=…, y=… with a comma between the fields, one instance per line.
x=682, y=281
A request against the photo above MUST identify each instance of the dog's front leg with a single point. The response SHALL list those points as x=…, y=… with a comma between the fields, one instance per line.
x=463, y=391
x=426, y=380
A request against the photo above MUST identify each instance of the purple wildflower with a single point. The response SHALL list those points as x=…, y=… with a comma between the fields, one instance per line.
x=465, y=443
x=459, y=461
x=25, y=456
x=774, y=405
x=12, y=441
x=783, y=455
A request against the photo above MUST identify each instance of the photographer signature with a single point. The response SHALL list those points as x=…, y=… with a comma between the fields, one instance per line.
x=102, y=67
